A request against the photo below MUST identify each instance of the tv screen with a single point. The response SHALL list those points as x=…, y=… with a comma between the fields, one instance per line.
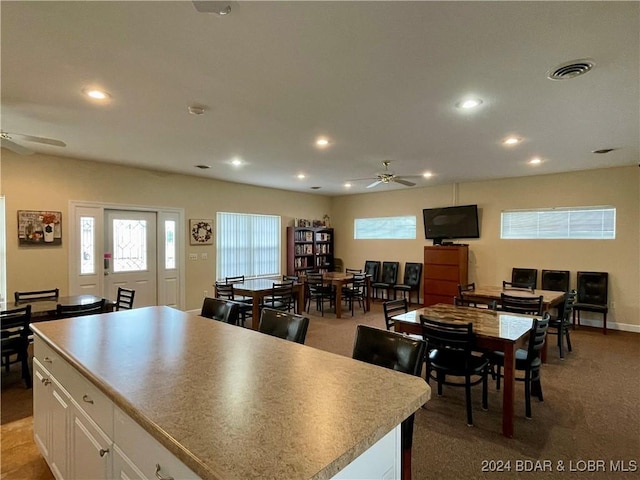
x=451, y=222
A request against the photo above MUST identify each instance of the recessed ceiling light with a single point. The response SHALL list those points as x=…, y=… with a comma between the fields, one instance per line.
x=236, y=162
x=322, y=142
x=348, y=185
x=468, y=103
x=301, y=176
x=96, y=94
x=511, y=140
x=195, y=110
x=535, y=161
x=427, y=174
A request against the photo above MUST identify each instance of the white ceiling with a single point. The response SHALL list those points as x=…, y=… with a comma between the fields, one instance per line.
x=380, y=79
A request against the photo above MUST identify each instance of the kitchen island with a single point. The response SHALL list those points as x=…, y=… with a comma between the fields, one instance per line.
x=211, y=400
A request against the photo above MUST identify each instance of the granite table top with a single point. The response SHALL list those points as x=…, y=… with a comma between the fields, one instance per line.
x=230, y=402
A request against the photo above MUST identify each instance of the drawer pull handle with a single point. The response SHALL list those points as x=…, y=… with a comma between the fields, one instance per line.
x=47, y=360
x=46, y=381
x=88, y=400
x=159, y=476
x=103, y=451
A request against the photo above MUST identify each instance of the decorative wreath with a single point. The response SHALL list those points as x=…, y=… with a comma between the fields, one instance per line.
x=201, y=231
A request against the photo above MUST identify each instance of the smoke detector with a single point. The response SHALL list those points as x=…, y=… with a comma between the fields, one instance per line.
x=195, y=110
x=571, y=69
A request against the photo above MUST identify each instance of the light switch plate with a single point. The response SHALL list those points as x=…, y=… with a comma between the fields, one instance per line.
x=193, y=256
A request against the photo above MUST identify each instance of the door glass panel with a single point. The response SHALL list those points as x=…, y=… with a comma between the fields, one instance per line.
x=169, y=244
x=87, y=246
x=129, y=245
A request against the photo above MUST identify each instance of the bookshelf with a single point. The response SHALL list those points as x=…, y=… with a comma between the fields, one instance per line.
x=309, y=249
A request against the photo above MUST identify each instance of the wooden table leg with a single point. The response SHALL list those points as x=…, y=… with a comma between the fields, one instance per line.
x=255, y=311
x=508, y=390
x=338, y=299
x=300, y=302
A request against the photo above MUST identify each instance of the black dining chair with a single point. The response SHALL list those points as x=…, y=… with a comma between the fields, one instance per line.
x=560, y=325
x=124, y=299
x=450, y=354
x=226, y=291
x=517, y=286
x=36, y=295
x=372, y=269
x=527, y=361
x=14, y=334
x=318, y=292
x=388, y=279
x=592, y=296
x=285, y=325
x=281, y=297
x=396, y=352
x=226, y=311
x=65, y=311
x=524, y=277
x=355, y=292
x=411, y=281
x=463, y=302
x=524, y=305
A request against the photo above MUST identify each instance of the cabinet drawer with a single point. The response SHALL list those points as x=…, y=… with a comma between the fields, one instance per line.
x=94, y=403
x=439, y=287
x=442, y=256
x=144, y=451
x=442, y=272
x=55, y=365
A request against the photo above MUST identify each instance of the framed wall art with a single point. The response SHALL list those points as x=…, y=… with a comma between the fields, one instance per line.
x=200, y=231
x=39, y=227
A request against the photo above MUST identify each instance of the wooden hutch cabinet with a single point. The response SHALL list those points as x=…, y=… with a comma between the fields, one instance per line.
x=309, y=249
x=444, y=268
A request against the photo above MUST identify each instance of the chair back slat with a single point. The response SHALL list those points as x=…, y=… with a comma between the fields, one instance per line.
x=537, y=337
x=392, y=308
x=65, y=311
x=448, y=336
x=124, y=299
x=527, y=306
x=15, y=318
x=463, y=302
x=36, y=295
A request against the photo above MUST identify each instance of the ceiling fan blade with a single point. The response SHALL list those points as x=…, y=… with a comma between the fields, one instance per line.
x=31, y=138
x=404, y=182
x=377, y=182
x=14, y=147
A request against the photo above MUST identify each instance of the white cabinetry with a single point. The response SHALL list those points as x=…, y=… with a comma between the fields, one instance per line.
x=82, y=435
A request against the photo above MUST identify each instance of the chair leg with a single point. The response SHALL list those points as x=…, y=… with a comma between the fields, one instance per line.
x=485, y=391
x=568, y=337
x=498, y=374
x=527, y=395
x=561, y=341
x=467, y=391
x=604, y=324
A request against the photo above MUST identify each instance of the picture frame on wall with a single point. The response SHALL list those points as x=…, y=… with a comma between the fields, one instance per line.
x=200, y=231
x=39, y=227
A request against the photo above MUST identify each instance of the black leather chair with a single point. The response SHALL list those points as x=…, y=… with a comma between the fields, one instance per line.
x=287, y=326
x=527, y=361
x=65, y=311
x=560, y=325
x=524, y=305
x=14, y=332
x=124, y=299
x=592, y=296
x=388, y=279
x=524, y=277
x=36, y=295
x=372, y=268
x=226, y=311
x=555, y=280
x=396, y=352
x=450, y=353
x=411, y=281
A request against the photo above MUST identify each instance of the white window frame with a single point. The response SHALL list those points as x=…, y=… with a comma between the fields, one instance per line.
x=561, y=223
x=401, y=227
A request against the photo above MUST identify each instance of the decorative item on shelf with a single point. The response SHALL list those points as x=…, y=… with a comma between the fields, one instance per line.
x=326, y=220
x=37, y=227
x=200, y=231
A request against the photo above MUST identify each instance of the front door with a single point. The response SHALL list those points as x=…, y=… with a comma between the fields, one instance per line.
x=130, y=255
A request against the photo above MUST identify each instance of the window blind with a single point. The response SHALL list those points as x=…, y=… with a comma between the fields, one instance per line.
x=560, y=223
x=385, y=228
x=247, y=244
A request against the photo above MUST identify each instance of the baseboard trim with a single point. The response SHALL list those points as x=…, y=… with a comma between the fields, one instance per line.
x=625, y=327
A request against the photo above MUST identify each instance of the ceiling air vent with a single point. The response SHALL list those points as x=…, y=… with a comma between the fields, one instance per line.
x=571, y=69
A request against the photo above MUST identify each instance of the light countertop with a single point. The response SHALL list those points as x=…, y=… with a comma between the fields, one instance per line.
x=230, y=402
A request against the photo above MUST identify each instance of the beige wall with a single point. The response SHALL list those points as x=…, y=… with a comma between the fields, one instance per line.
x=39, y=182
x=491, y=258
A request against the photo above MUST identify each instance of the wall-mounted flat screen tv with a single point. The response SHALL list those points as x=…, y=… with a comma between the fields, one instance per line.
x=449, y=223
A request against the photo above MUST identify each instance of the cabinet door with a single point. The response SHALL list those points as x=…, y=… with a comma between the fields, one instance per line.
x=59, y=407
x=90, y=448
x=41, y=408
x=123, y=468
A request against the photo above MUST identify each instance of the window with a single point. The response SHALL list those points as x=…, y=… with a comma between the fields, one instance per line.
x=560, y=223
x=247, y=245
x=129, y=245
x=87, y=246
x=385, y=228
x=169, y=244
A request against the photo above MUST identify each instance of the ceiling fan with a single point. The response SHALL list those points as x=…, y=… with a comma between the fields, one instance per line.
x=388, y=177
x=8, y=141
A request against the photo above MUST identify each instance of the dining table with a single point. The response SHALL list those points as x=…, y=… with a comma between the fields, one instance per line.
x=339, y=280
x=42, y=310
x=258, y=288
x=494, y=330
x=487, y=293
